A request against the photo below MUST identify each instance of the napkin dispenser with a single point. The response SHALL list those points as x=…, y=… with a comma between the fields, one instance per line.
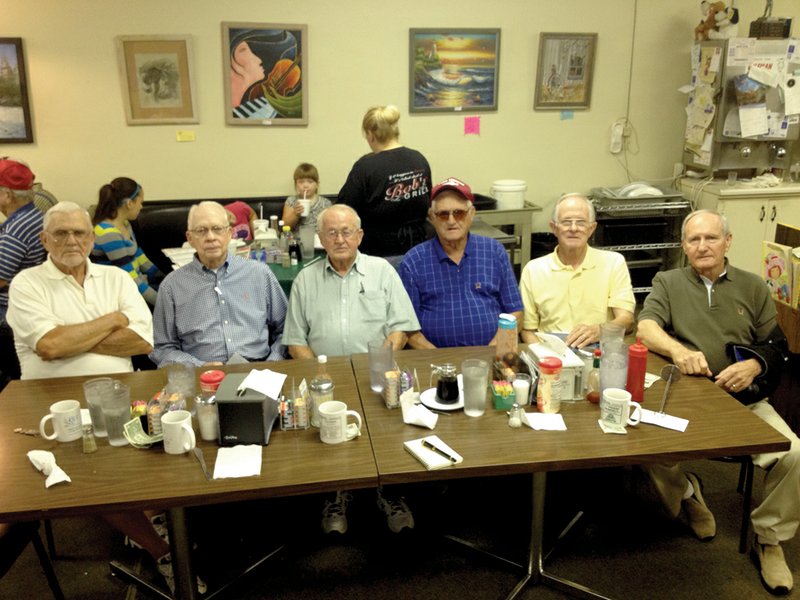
x=572, y=368
x=247, y=418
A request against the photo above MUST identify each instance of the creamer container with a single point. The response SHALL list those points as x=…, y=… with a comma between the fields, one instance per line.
x=548, y=391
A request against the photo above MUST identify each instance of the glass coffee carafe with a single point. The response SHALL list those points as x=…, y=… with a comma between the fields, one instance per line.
x=446, y=383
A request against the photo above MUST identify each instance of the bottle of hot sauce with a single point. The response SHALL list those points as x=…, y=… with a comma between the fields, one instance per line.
x=593, y=380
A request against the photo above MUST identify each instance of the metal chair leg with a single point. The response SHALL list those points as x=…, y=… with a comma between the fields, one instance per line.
x=51, y=541
x=746, y=473
x=47, y=566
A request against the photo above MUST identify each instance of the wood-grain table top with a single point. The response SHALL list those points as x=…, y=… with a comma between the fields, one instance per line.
x=115, y=478
x=718, y=426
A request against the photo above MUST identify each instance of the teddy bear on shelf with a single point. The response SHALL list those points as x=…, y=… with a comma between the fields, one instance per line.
x=719, y=22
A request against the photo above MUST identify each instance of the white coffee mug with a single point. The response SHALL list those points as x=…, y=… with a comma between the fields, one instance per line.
x=66, y=417
x=616, y=408
x=178, y=433
x=333, y=426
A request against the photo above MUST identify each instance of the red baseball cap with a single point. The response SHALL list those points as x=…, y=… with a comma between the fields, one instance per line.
x=15, y=175
x=455, y=185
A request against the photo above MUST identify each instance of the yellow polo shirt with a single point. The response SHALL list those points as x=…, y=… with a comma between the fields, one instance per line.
x=557, y=296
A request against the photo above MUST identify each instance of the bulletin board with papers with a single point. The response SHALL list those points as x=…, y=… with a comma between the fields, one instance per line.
x=743, y=108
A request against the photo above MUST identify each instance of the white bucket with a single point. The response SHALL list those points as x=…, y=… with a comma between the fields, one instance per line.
x=509, y=193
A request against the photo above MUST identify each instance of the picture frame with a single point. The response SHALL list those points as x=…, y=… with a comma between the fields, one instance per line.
x=452, y=70
x=157, y=76
x=565, y=71
x=265, y=74
x=15, y=110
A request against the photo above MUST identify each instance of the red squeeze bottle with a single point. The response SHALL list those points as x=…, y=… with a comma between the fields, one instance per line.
x=637, y=367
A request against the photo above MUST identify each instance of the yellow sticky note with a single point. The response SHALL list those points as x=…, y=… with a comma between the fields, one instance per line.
x=185, y=136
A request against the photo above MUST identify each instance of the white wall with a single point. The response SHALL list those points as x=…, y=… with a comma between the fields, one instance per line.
x=358, y=57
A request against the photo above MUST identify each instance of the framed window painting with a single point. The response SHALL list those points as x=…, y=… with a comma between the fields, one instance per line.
x=565, y=71
x=453, y=70
x=157, y=79
x=264, y=74
x=15, y=112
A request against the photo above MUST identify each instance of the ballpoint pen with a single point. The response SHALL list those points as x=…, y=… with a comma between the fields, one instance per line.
x=670, y=373
x=439, y=451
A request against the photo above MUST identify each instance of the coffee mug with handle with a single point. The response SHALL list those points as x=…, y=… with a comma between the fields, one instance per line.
x=179, y=436
x=333, y=426
x=66, y=417
x=616, y=409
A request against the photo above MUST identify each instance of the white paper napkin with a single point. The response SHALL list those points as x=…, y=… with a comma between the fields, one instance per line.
x=238, y=461
x=45, y=462
x=416, y=414
x=265, y=381
x=544, y=421
x=652, y=417
x=650, y=379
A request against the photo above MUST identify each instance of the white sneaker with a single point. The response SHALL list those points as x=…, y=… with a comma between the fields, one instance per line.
x=398, y=515
x=164, y=565
x=334, y=513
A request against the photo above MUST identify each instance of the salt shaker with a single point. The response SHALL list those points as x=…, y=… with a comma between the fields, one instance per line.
x=515, y=416
x=89, y=443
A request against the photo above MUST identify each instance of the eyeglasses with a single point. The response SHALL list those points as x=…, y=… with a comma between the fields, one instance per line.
x=60, y=236
x=444, y=215
x=578, y=224
x=332, y=234
x=204, y=231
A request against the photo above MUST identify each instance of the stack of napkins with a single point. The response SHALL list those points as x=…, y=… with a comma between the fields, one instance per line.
x=415, y=413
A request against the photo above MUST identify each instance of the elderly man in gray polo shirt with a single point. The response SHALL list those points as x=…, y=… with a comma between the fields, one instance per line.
x=336, y=307
x=339, y=305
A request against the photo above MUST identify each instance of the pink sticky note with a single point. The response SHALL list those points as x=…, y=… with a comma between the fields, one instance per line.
x=472, y=125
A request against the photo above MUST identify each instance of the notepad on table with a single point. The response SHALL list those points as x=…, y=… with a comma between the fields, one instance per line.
x=438, y=457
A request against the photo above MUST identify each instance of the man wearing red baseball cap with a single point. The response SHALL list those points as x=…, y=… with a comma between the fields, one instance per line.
x=458, y=282
x=20, y=248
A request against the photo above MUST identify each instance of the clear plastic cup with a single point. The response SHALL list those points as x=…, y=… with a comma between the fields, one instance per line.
x=117, y=412
x=94, y=391
x=475, y=374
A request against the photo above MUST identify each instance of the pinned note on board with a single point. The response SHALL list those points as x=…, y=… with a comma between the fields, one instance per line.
x=472, y=125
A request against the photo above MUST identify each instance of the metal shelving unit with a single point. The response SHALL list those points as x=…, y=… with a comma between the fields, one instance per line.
x=646, y=230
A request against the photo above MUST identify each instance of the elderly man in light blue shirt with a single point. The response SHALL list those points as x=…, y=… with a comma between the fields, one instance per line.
x=219, y=304
x=339, y=305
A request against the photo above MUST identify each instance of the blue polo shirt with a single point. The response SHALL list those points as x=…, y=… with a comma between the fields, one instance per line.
x=20, y=247
x=459, y=305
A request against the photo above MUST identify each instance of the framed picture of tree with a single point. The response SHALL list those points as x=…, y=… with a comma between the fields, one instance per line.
x=565, y=71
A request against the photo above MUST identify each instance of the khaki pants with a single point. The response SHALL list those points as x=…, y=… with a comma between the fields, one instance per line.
x=777, y=517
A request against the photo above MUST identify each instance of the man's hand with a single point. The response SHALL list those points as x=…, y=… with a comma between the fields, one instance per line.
x=738, y=376
x=583, y=335
x=690, y=362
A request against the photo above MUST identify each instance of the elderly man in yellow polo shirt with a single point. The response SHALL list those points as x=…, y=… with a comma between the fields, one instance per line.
x=576, y=288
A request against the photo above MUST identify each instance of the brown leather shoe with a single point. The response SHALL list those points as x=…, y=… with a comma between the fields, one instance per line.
x=775, y=573
x=700, y=519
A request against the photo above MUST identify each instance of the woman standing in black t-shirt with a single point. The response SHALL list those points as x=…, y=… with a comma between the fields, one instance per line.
x=389, y=188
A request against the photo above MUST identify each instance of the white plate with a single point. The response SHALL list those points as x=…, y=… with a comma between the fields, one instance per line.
x=428, y=398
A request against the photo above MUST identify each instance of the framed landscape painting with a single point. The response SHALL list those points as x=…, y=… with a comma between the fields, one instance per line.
x=564, y=74
x=157, y=79
x=15, y=112
x=265, y=74
x=453, y=70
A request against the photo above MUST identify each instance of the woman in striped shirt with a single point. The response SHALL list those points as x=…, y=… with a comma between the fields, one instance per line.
x=114, y=244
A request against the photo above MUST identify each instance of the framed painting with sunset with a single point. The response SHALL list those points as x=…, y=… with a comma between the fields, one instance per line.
x=453, y=70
